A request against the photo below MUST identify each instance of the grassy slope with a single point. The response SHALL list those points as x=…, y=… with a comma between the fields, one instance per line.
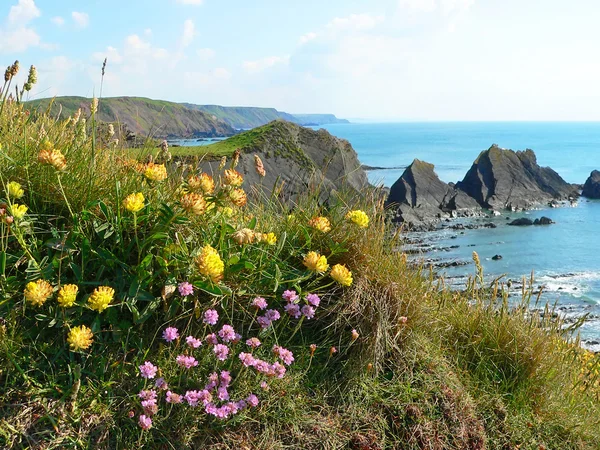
x=243, y=117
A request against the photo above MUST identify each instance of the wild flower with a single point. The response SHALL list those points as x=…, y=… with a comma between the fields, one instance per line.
x=290, y=296
x=221, y=351
x=185, y=289
x=210, y=263
x=247, y=359
x=264, y=385
x=31, y=79
x=272, y=315
x=308, y=311
x=155, y=172
x=170, y=334
x=172, y=397
x=316, y=262
x=134, y=202
x=332, y=351
x=211, y=339
x=312, y=348
x=293, y=309
x=238, y=197
x=148, y=370
x=150, y=407
x=269, y=238
x=80, y=338
x=194, y=397
x=186, y=361
x=225, y=378
x=147, y=394
x=227, y=333
x=232, y=177
x=145, y=422
x=37, y=292
x=213, y=381
x=193, y=203
x=403, y=319
x=161, y=384
x=359, y=217
x=320, y=223
x=222, y=393
x=253, y=342
x=355, y=335
x=14, y=190
x=67, y=295
x=341, y=275
x=203, y=182
x=226, y=211
x=313, y=299
x=263, y=321
x=101, y=298
x=244, y=236
x=211, y=317
x=284, y=354
x=94, y=106
x=259, y=303
x=193, y=342
x=258, y=166
x=52, y=157
x=252, y=400
x=18, y=211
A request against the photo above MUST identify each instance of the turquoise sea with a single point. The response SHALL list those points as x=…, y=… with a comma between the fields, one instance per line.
x=565, y=257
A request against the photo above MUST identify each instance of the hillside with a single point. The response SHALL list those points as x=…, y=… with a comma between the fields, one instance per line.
x=318, y=119
x=143, y=116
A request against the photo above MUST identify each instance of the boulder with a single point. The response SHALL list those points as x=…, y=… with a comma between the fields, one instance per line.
x=505, y=179
x=523, y=221
x=591, y=188
x=543, y=221
x=496, y=257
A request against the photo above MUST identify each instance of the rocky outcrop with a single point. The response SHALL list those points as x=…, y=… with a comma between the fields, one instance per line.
x=296, y=160
x=591, y=188
x=524, y=221
x=420, y=197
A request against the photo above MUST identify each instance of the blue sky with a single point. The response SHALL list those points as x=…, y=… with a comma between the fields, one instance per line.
x=373, y=59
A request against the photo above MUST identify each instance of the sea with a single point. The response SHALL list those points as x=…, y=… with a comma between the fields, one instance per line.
x=564, y=258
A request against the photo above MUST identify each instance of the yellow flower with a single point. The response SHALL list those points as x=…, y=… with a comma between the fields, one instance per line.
x=238, y=197
x=134, y=202
x=155, y=172
x=52, y=157
x=101, y=298
x=358, y=217
x=315, y=262
x=193, y=203
x=67, y=295
x=204, y=182
x=233, y=178
x=37, y=292
x=14, y=190
x=227, y=211
x=210, y=264
x=270, y=238
x=245, y=236
x=341, y=274
x=18, y=211
x=80, y=338
x=320, y=223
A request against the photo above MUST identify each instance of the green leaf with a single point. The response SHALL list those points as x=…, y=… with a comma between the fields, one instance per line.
x=233, y=260
x=148, y=310
x=252, y=224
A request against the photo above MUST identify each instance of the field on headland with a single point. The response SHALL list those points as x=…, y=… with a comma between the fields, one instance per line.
x=147, y=303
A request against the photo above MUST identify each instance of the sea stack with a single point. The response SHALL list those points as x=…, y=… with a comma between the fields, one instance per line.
x=591, y=188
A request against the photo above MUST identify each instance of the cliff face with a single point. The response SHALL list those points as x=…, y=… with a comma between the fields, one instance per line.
x=591, y=188
x=504, y=179
x=297, y=158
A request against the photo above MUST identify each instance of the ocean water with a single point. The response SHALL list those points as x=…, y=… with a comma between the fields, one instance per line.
x=564, y=257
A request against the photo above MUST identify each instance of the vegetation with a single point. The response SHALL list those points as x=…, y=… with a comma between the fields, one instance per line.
x=112, y=269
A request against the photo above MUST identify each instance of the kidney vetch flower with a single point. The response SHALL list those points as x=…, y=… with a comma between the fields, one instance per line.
x=193, y=203
x=233, y=178
x=37, y=292
x=341, y=274
x=359, y=217
x=210, y=263
x=67, y=295
x=315, y=262
x=134, y=202
x=18, y=211
x=101, y=298
x=14, y=190
x=155, y=172
x=320, y=223
x=80, y=338
x=238, y=197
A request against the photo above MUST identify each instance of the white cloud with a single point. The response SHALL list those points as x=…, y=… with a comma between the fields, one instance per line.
x=189, y=32
x=190, y=2
x=58, y=21
x=81, y=19
x=456, y=6
x=111, y=54
x=23, y=12
x=355, y=22
x=307, y=37
x=264, y=63
x=204, y=54
x=418, y=5
x=18, y=40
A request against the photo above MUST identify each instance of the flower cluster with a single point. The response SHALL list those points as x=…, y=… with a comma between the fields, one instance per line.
x=210, y=263
x=295, y=310
x=359, y=217
x=320, y=223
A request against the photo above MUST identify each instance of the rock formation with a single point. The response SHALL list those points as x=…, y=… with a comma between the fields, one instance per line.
x=591, y=188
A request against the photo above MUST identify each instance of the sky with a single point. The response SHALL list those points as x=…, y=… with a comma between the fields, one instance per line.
x=384, y=60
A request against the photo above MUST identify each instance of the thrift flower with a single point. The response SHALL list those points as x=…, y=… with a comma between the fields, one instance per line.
x=150, y=406
x=14, y=190
x=210, y=264
x=186, y=361
x=232, y=177
x=355, y=335
x=263, y=321
x=145, y=422
x=225, y=378
x=341, y=274
x=134, y=202
x=320, y=223
x=193, y=203
x=313, y=299
x=155, y=172
x=212, y=339
x=332, y=351
x=259, y=303
x=213, y=381
x=315, y=262
x=185, y=289
x=252, y=400
x=247, y=359
x=67, y=295
x=313, y=348
x=101, y=298
x=172, y=397
x=290, y=296
x=193, y=342
x=148, y=370
x=222, y=351
x=147, y=395
x=37, y=292
x=264, y=385
x=227, y=333
x=222, y=393
x=18, y=211
x=238, y=197
x=359, y=218
x=293, y=310
x=170, y=334
x=253, y=342
x=403, y=319
x=272, y=315
x=284, y=354
x=308, y=311
x=211, y=317
x=80, y=338
x=161, y=384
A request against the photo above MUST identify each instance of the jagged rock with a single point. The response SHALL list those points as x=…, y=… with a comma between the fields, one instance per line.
x=496, y=257
x=523, y=221
x=505, y=179
x=543, y=221
x=591, y=188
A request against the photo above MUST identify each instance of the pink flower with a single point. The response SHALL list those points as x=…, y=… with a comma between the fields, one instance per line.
x=172, y=397
x=147, y=395
x=148, y=370
x=185, y=289
x=253, y=342
x=193, y=397
x=247, y=359
x=213, y=381
x=293, y=310
x=186, y=361
x=308, y=311
x=212, y=339
x=225, y=378
x=222, y=351
x=150, y=406
x=259, y=303
x=145, y=422
x=263, y=321
x=264, y=385
x=170, y=334
x=241, y=405
x=252, y=400
x=278, y=370
x=222, y=393
x=403, y=319
x=193, y=342
x=284, y=354
x=272, y=315
x=227, y=333
x=211, y=317
x=290, y=296
x=313, y=299
x=161, y=384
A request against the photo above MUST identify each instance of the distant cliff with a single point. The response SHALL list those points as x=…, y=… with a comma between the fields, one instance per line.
x=318, y=119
